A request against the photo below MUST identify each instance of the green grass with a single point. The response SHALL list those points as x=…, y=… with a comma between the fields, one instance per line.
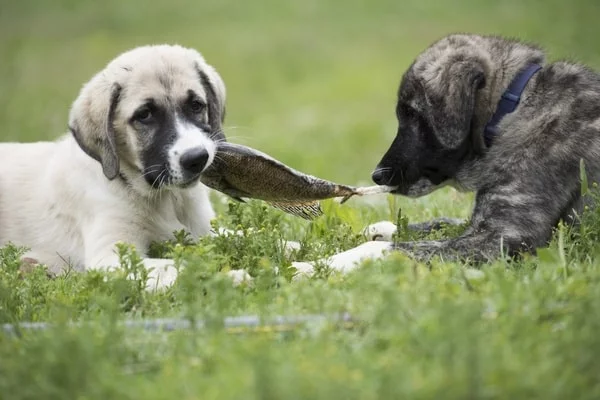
x=312, y=83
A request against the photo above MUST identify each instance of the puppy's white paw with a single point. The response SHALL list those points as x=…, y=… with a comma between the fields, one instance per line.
x=239, y=276
x=291, y=246
x=350, y=259
x=303, y=270
x=473, y=274
x=229, y=232
x=380, y=231
x=161, y=274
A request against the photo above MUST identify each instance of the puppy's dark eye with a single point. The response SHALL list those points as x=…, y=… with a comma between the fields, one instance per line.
x=143, y=115
x=196, y=106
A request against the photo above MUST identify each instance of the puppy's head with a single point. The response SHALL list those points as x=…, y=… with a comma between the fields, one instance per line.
x=435, y=109
x=152, y=116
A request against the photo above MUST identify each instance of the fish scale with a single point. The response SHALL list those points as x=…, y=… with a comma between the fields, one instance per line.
x=242, y=172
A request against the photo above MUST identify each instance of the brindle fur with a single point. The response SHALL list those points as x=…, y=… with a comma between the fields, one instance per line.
x=529, y=178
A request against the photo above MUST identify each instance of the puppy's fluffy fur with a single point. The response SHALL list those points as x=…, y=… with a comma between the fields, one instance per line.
x=526, y=181
x=142, y=130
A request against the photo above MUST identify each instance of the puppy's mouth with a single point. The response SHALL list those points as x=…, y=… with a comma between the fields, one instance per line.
x=421, y=187
x=163, y=178
x=426, y=181
x=187, y=182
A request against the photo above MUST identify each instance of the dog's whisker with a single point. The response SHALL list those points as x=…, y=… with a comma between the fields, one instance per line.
x=157, y=178
x=230, y=127
x=219, y=157
x=227, y=136
x=160, y=184
x=147, y=171
x=152, y=168
x=155, y=194
x=236, y=138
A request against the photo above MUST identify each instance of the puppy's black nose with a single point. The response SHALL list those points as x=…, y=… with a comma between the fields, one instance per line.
x=380, y=176
x=194, y=160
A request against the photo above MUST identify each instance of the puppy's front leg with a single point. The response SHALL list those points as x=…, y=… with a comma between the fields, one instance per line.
x=474, y=246
x=435, y=224
x=477, y=247
x=161, y=272
x=449, y=249
x=380, y=237
x=501, y=224
x=348, y=260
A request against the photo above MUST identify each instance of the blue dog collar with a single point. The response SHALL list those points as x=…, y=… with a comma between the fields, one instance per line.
x=509, y=101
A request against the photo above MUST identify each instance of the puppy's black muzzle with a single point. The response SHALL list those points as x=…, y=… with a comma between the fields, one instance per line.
x=193, y=161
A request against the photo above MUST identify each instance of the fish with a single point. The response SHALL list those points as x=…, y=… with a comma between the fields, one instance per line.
x=242, y=172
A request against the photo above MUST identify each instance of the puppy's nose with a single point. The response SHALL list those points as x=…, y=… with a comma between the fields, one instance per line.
x=380, y=176
x=194, y=160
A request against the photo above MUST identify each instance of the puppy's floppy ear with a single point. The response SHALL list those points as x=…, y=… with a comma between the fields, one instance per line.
x=214, y=87
x=92, y=124
x=453, y=105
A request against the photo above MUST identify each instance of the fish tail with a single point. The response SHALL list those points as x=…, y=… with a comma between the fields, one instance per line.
x=347, y=197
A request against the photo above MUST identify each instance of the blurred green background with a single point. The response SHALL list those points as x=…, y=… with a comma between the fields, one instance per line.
x=312, y=82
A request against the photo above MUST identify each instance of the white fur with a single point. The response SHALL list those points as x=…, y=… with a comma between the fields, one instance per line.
x=382, y=231
x=56, y=200
x=379, y=236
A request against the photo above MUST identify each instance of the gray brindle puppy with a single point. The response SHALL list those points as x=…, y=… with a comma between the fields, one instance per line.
x=487, y=114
